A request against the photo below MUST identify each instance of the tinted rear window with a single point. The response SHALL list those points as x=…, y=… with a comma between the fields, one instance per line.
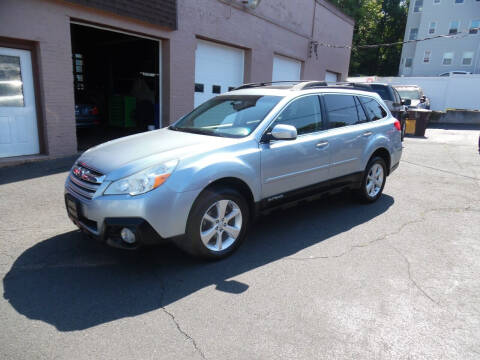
x=374, y=110
x=383, y=91
x=341, y=109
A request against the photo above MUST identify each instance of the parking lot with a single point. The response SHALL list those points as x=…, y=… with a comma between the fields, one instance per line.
x=328, y=279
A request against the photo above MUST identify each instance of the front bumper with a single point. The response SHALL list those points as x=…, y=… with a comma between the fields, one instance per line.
x=154, y=217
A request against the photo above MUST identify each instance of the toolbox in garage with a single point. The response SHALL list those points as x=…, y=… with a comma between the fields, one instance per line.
x=122, y=111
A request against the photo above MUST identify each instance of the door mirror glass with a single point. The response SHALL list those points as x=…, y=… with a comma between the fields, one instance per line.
x=407, y=102
x=284, y=132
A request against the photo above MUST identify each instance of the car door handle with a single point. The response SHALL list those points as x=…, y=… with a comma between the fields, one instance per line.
x=367, y=134
x=321, y=145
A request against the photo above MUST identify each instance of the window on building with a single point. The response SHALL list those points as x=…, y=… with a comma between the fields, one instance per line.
x=459, y=1
x=467, y=58
x=454, y=24
x=408, y=62
x=426, y=56
x=447, y=58
x=432, y=27
x=418, y=7
x=474, y=27
x=435, y=2
x=413, y=34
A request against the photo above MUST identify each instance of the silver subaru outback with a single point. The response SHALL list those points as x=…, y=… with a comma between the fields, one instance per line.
x=201, y=181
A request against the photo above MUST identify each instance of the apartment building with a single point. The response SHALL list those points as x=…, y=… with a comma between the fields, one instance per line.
x=430, y=18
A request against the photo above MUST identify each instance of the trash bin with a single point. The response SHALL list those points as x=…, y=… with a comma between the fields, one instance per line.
x=417, y=121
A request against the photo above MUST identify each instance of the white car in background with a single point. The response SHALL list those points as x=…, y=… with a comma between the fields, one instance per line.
x=415, y=94
x=456, y=72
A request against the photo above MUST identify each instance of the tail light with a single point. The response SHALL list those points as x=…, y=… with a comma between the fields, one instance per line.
x=94, y=111
x=397, y=125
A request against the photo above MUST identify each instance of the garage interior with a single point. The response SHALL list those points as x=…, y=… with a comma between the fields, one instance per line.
x=116, y=84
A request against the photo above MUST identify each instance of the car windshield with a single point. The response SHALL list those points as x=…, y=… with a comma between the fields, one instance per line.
x=411, y=94
x=382, y=91
x=228, y=116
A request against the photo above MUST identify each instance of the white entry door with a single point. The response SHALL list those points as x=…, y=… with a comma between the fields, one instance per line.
x=218, y=68
x=285, y=69
x=18, y=119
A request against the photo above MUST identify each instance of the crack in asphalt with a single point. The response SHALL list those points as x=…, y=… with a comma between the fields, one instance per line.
x=383, y=237
x=412, y=280
x=174, y=319
x=183, y=332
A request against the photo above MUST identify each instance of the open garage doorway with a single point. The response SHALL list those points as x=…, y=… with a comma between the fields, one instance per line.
x=117, y=80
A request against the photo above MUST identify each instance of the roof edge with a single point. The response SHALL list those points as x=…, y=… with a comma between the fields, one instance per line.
x=336, y=10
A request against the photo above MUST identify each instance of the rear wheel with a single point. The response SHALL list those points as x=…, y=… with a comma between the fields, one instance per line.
x=217, y=224
x=373, y=180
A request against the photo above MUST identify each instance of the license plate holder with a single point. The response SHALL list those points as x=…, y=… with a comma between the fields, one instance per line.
x=72, y=207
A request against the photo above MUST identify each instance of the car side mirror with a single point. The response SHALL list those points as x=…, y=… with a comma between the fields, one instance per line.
x=407, y=102
x=284, y=132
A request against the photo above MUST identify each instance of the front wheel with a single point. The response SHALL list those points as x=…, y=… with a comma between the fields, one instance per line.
x=217, y=224
x=373, y=181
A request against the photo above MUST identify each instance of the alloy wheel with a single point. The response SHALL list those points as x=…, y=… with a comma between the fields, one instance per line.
x=221, y=225
x=374, y=181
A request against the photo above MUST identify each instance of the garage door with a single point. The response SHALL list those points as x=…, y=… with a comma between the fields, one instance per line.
x=218, y=68
x=331, y=76
x=285, y=68
x=18, y=120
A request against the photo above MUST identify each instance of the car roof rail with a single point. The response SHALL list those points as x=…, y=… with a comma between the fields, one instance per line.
x=266, y=83
x=304, y=85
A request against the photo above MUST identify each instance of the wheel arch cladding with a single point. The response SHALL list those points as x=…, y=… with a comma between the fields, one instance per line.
x=237, y=184
x=385, y=155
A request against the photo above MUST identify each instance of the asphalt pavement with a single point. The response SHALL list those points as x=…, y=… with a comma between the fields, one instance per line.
x=330, y=279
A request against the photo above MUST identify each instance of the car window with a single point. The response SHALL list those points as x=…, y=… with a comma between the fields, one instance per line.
x=398, y=100
x=374, y=110
x=382, y=90
x=230, y=116
x=303, y=113
x=412, y=94
x=341, y=110
x=362, y=117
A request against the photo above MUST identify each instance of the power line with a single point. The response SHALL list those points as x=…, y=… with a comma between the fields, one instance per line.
x=457, y=35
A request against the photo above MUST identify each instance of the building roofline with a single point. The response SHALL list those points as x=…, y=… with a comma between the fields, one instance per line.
x=336, y=10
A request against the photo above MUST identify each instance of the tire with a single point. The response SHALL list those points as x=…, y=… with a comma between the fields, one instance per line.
x=204, y=217
x=376, y=167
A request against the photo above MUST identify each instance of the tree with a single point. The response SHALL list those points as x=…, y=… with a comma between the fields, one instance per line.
x=376, y=22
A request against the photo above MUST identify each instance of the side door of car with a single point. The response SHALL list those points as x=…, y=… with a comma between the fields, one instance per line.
x=349, y=130
x=288, y=165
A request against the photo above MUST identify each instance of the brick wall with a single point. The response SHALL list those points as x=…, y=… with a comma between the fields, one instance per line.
x=158, y=12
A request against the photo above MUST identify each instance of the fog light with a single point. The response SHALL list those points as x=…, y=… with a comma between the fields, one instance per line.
x=127, y=235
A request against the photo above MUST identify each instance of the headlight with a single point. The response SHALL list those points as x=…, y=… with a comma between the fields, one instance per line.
x=142, y=181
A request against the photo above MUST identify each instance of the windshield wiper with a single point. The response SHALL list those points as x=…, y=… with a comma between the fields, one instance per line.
x=195, y=131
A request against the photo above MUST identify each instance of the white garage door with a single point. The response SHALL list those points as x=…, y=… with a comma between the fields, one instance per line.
x=217, y=69
x=331, y=76
x=18, y=119
x=285, y=68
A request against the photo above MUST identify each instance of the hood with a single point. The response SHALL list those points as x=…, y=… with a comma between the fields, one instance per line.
x=137, y=152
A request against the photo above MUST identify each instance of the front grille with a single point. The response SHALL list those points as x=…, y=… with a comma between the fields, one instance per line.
x=84, y=181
